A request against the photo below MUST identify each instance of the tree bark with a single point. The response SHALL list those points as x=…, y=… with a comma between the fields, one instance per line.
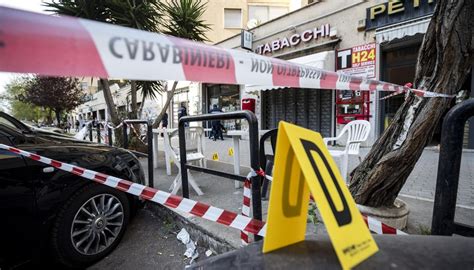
x=133, y=93
x=444, y=60
x=169, y=97
x=58, y=117
x=140, y=109
x=109, y=101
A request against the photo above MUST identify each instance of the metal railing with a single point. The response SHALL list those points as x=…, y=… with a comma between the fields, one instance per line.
x=267, y=164
x=254, y=162
x=449, y=165
x=99, y=135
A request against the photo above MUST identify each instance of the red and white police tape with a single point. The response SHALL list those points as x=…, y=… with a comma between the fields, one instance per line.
x=68, y=46
x=227, y=218
x=373, y=224
x=199, y=209
x=379, y=227
x=246, y=208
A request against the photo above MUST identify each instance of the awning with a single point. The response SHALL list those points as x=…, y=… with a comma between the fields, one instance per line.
x=401, y=30
x=322, y=60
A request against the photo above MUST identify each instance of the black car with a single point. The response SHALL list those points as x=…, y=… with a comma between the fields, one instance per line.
x=52, y=215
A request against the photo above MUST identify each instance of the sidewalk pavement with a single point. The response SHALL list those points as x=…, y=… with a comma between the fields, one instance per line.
x=418, y=192
x=420, y=185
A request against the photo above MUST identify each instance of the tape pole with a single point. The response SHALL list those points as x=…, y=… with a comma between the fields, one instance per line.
x=199, y=209
x=69, y=46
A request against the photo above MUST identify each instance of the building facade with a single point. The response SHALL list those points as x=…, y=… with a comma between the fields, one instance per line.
x=226, y=19
x=374, y=39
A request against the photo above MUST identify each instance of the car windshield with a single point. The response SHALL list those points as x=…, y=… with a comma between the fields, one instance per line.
x=11, y=124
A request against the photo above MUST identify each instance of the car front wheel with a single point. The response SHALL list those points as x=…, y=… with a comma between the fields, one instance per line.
x=90, y=225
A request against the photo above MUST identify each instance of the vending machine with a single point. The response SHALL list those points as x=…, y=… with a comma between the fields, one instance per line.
x=352, y=105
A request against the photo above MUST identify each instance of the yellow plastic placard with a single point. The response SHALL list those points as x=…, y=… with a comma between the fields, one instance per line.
x=231, y=151
x=303, y=165
x=215, y=156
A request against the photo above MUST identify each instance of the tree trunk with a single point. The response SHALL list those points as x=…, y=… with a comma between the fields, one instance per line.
x=58, y=118
x=49, y=118
x=133, y=93
x=169, y=97
x=112, y=110
x=109, y=101
x=140, y=109
x=444, y=60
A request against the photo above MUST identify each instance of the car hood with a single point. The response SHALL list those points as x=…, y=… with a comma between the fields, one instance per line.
x=43, y=136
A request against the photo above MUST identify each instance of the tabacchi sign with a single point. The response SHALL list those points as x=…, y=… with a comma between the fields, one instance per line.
x=294, y=40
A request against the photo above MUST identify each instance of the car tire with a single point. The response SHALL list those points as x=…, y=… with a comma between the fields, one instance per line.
x=89, y=226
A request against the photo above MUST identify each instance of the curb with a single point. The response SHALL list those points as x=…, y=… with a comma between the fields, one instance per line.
x=199, y=234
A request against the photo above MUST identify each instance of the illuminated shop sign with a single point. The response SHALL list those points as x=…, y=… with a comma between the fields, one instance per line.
x=294, y=40
x=395, y=11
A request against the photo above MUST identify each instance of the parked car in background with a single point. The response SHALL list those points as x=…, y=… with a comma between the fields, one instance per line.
x=35, y=126
x=52, y=215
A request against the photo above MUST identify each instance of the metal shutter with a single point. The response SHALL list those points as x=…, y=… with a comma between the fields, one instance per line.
x=309, y=108
x=325, y=112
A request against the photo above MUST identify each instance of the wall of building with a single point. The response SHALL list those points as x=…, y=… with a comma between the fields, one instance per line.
x=343, y=17
x=214, y=14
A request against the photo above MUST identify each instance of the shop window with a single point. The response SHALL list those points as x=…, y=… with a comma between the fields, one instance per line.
x=232, y=18
x=227, y=98
x=398, y=67
x=265, y=13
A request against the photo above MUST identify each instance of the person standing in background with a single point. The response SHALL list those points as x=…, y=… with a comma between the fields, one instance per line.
x=216, y=131
x=182, y=112
x=164, y=122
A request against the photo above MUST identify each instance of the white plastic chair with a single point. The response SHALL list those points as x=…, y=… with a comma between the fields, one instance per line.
x=195, y=143
x=173, y=154
x=357, y=132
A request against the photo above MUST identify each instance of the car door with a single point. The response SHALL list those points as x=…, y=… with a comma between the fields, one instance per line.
x=17, y=207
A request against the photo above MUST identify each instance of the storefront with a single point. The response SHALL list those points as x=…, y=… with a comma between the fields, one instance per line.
x=362, y=38
x=310, y=108
x=309, y=36
x=226, y=97
x=399, y=29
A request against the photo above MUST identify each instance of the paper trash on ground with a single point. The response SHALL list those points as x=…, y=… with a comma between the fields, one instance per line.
x=191, y=250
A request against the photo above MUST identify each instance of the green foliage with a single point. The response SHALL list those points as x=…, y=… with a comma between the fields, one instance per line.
x=93, y=10
x=183, y=19
x=139, y=14
x=313, y=213
x=424, y=230
x=58, y=94
x=151, y=89
x=20, y=109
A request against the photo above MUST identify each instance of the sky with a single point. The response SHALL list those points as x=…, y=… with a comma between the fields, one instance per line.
x=30, y=5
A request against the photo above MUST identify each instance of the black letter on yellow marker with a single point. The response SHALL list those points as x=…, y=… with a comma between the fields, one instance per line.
x=343, y=217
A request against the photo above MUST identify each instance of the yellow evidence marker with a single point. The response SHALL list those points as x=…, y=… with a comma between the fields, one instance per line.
x=231, y=151
x=303, y=165
x=215, y=156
